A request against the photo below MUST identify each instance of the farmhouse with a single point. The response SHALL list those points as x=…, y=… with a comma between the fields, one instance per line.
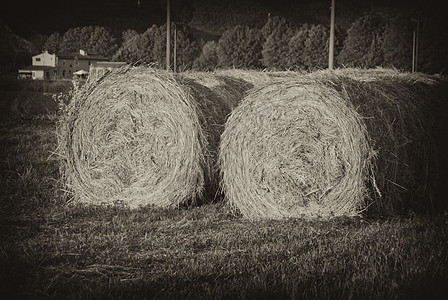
x=48, y=66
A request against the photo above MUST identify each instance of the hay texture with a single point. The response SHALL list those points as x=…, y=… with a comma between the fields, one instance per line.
x=140, y=136
x=335, y=143
x=215, y=96
x=401, y=112
x=258, y=78
x=295, y=148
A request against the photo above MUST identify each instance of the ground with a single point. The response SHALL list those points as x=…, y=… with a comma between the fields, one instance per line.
x=52, y=248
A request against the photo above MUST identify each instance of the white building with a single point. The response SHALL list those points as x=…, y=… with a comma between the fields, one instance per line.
x=46, y=66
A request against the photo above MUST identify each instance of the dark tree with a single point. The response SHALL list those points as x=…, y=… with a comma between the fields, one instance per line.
x=93, y=39
x=315, y=53
x=433, y=45
x=53, y=43
x=397, y=46
x=150, y=47
x=363, y=46
x=240, y=47
x=296, y=48
x=278, y=31
x=137, y=47
x=187, y=51
x=208, y=60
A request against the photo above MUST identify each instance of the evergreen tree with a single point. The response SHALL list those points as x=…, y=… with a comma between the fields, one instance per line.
x=315, y=53
x=240, y=47
x=158, y=45
x=128, y=34
x=187, y=51
x=71, y=40
x=150, y=47
x=397, y=46
x=339, y=37
x=53, y=43
x=275, y=48
x=208, y=60
x=296, y=47
x=128, y=51
x=99, y=40
x=433, y=45
x=138, y=47
x=364, y=43
x=270, y=25
x=93, y=39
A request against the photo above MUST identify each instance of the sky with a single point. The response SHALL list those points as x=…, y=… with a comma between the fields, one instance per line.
x=28, y=17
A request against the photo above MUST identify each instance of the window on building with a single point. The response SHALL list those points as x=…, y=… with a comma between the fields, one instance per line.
x=70, y=66
x=37, y=58
x=47, y=75
x=63, y=73
x=63, y=62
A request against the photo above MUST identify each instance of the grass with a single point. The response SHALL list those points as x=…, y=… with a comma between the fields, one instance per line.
x=51, y=249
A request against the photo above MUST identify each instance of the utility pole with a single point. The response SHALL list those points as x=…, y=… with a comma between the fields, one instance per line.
x=175, y=49
x=416, y=43
x=331, y=48
x=413, y=52
x=415, y=38
x=168, y=35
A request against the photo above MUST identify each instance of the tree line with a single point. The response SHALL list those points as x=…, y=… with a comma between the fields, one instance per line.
x=374, y=39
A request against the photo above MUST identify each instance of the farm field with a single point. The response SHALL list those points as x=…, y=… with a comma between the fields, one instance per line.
x=52, y=249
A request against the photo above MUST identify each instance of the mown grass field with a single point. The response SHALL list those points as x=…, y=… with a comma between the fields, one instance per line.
x=52, y=249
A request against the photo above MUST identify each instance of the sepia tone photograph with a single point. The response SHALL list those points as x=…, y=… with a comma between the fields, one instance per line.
x=223, y=149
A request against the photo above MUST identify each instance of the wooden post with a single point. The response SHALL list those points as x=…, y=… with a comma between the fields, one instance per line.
x=413, y=52
x=415, y=38
x=175, y=50
x=331, y=48
x=168, y=35
x=416, y=43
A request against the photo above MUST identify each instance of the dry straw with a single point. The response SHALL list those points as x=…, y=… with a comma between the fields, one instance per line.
x=400, y=112
x=215, y=95
x=334, y=143
x=140, y=137
x=295, y=148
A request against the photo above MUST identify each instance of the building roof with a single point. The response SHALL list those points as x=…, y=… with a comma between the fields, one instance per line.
x=109, y=64
x=72, y=55
x=36, y=68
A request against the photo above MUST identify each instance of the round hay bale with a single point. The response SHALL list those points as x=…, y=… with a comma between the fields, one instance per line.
x=132, y=137
x=138, y=136
x=295, y=148
x=389, y=149
x=400, y=112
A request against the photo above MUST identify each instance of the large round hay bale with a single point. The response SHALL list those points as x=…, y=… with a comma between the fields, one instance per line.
x=337, y=143
x=402, y=116
x=295, y=148
x=140, y=137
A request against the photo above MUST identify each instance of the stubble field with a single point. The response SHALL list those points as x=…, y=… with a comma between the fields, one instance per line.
x=53, y=249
